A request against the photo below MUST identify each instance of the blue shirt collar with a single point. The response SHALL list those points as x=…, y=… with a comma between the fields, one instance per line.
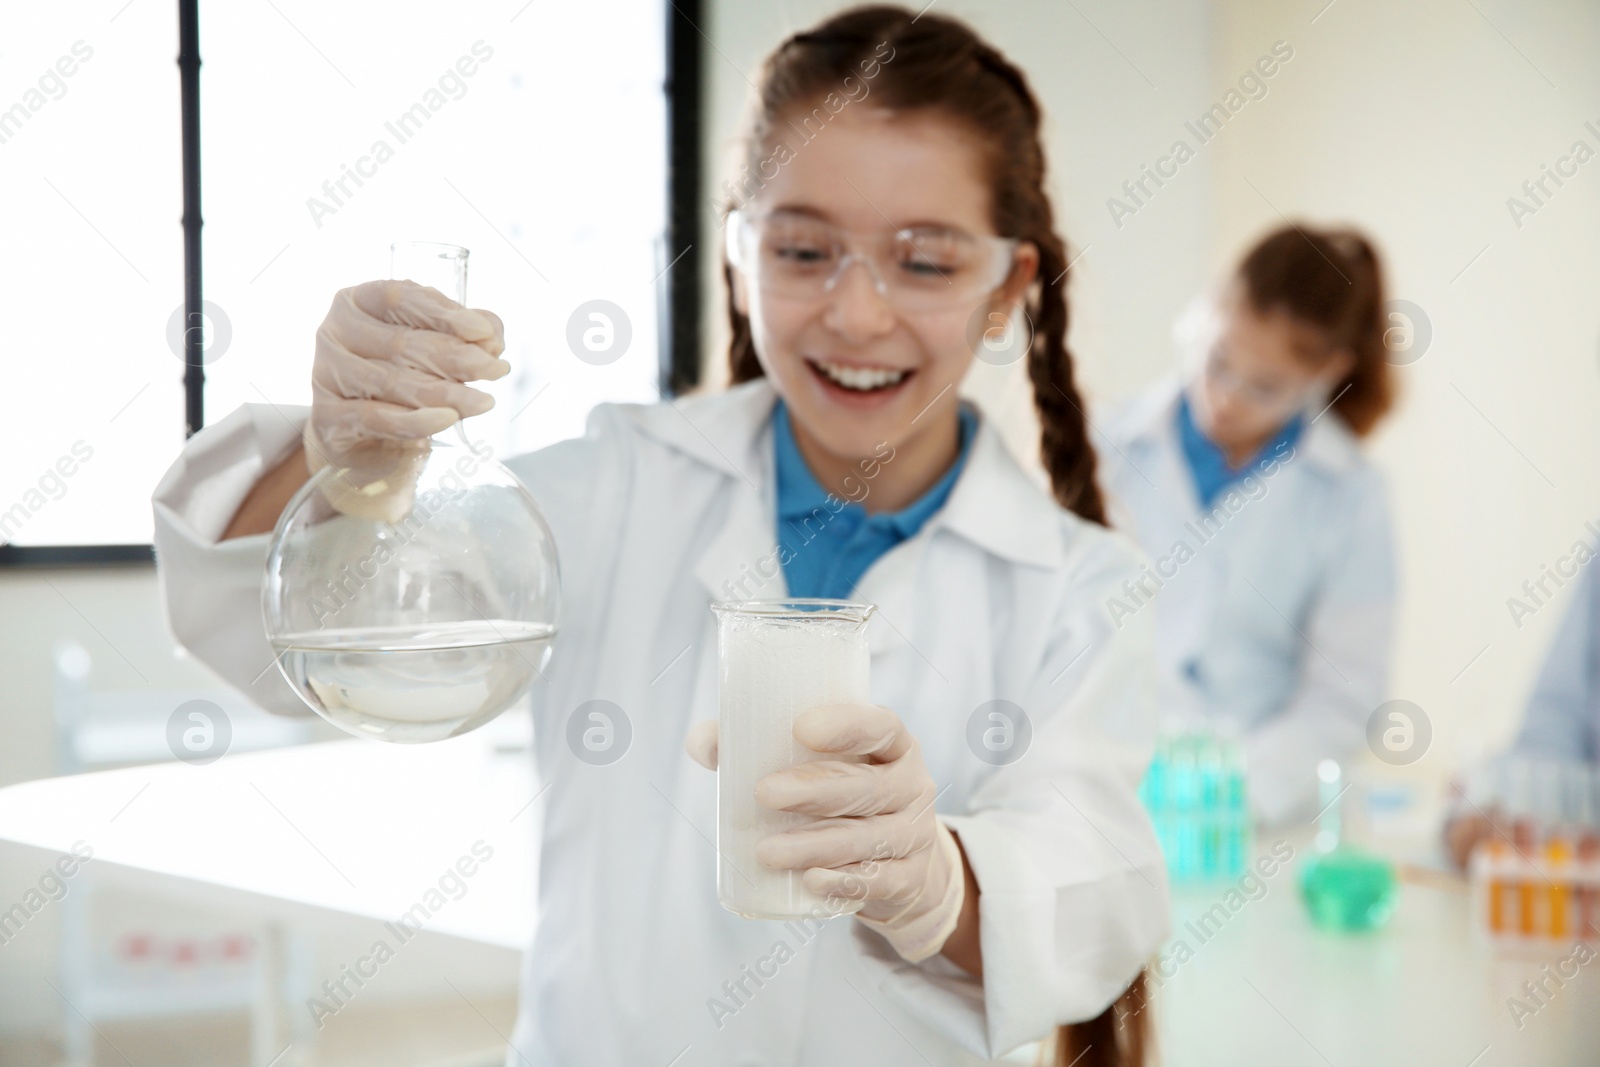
x=800, y=494
x=1208, y=465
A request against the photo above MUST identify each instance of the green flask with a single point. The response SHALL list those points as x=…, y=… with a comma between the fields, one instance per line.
x=1345, y=888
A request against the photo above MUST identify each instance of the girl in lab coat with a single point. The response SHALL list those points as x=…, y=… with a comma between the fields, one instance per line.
x=895, y=195
x=1271, y=558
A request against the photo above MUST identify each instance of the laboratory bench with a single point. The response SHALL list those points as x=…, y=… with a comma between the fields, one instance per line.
x=1247, y=979
x=355, y=828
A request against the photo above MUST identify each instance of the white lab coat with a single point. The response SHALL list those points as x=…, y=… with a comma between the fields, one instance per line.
x=654, y=510
x=1277, y=611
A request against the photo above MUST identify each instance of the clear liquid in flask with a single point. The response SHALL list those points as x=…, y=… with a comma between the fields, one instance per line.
x=413, y=684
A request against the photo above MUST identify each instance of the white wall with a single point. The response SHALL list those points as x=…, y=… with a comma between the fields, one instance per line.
x=1417, y=121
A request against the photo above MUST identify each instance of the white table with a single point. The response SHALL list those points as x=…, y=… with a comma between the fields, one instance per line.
x=1268, y=987
x=294, y=837
x=353, y=826
x=366, y=828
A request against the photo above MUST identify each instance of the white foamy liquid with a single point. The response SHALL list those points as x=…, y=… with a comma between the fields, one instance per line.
x=771, y=670
x=412, y=684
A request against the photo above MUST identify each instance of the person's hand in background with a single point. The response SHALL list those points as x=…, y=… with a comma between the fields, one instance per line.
x=1465, y=832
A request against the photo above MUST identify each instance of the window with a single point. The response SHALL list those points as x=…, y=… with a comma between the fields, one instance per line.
x=90, y=166
x=536, y=135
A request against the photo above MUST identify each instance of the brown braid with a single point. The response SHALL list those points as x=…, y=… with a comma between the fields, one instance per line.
x=1063, y=425
x=940, y=63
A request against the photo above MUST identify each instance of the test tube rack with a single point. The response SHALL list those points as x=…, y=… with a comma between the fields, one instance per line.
x=1195, y=791
x=1531, y=887
x=1536, y=877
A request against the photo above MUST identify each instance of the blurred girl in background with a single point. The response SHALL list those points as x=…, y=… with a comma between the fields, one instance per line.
x=1272, y=571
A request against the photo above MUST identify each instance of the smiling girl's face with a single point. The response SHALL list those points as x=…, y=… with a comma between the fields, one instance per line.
x=873, y=172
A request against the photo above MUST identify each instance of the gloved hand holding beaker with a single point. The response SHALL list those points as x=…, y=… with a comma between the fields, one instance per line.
x=879, y=839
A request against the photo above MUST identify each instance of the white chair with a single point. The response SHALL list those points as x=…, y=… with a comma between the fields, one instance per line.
x=173, y=973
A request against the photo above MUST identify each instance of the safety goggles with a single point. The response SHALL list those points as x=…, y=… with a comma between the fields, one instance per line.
x=793, y=255
x=1276, y=397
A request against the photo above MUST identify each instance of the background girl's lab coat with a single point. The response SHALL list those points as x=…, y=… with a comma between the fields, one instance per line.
x=656, y=511
x=1277, y=609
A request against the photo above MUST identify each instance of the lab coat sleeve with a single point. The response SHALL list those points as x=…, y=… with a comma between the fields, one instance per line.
x=1344, y=667
x=211, y=589
x=1564, y=712
x=1073, y=890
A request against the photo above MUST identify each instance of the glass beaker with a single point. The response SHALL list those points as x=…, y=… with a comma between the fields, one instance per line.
x=414, y=597
x=775, y=659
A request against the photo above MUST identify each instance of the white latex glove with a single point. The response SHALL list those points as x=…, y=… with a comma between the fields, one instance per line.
x=390, y=360
x=880, y=841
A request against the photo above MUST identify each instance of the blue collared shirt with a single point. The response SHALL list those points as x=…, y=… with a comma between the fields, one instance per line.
x=827, y=542
x=1208, y=465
